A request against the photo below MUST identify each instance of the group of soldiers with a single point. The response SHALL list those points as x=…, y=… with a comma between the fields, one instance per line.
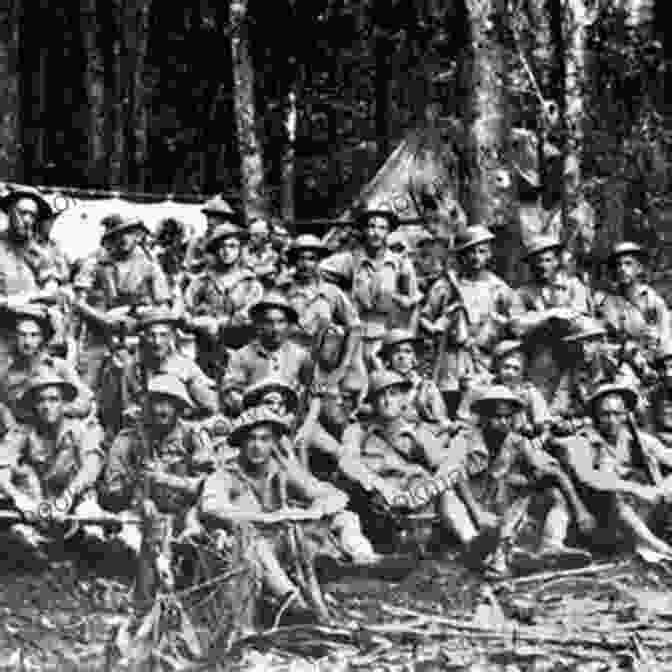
x=246, y=377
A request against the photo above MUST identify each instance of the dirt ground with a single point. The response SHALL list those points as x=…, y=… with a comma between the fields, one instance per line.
x=616, y=615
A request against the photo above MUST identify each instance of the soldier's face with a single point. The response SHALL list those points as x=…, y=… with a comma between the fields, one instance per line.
x=627, y=268
x=228, y=251
x=25, y=218
x=29, y=338
x=49, y=405
x=307, y=262
x=611, y=415
x=403, y=358
x=477, y=257
x=274, y=326
x=391, y=402
x=510, y=369
x=377, y=230
x=163, y=412
x=500, y=420
x=275, y=402
x=335, y=409
x=258, y=445
x=546, y=265
x=159, y=340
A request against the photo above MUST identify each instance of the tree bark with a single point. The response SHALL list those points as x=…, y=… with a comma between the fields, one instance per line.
x=10, y=145
x=136, y=39
x=490, y=118
x=383, y=76
x=252, y=164
x=114, y=95
x=288, y=159
x=95, y=90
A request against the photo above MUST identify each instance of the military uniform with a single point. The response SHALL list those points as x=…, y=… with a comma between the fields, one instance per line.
x=16, y=379
x=425, y=401
x=263, y=263
x=488, y=303
x=254, y=362
x=135, y=281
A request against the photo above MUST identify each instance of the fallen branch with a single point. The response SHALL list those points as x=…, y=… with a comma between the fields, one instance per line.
x=559, y=574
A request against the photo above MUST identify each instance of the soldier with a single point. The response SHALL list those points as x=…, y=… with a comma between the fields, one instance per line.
x=49, y=468
x=126, y=382
x=25, y=272
x=400, y=352
x=257, y=489
x=501, y=467
x=381, y=281
x=272, y=352
x=552, y=303
x=659, y=408
x=217, y=211
x=123, y=277
x=509, y=364
x=33, y=329
x=220, y=298
x=621, y=472
x=634, y=311
x=321, y=305
x=259, y=255
x=402, y=465
x=588, y=364
x=160, y=457
x=470, y=312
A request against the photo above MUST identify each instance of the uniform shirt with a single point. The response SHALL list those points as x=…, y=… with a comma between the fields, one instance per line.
x=57, y=461
x=488, y=302
x=15, y=379
x=22, y=268
x=634, y=319
x=374, y=283
x=221, y=295
x=397, y=451
x=135, y=281
x=201, y=389
x=589, y=455
x=252, y=363
x=232, y=486
x=184, y=452
x=320, y=304
x=564, y=292
x=56, y=259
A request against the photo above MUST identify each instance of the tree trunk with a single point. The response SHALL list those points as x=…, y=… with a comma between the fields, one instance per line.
x=114, y=95
x=383, y=77
x=490, y=122
x=10, y=152
x=288, y=159
x=135, y=40
x=252, y=164
x=95, y=90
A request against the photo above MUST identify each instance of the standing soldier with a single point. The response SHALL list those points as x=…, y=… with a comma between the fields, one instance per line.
x=220, y=298
x=634, y=312
x=25, y=271
x=49, y=468
x=381, y=281
x=321, y=306
x=469, y=313
x=217, y=211
x=33, y=329
x=553, y=301
x=123, y=278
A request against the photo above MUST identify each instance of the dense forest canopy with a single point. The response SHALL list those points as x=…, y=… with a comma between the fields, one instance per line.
x=152, y=96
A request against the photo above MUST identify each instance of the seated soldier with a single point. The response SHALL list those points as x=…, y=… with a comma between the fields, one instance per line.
x=33, y=329
x=509, y=362
x=425, y=402
x=48, y=468
x=620, y=471
x=259, y=488
x=160, y=457
x=402, y=465
x=501, y=468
